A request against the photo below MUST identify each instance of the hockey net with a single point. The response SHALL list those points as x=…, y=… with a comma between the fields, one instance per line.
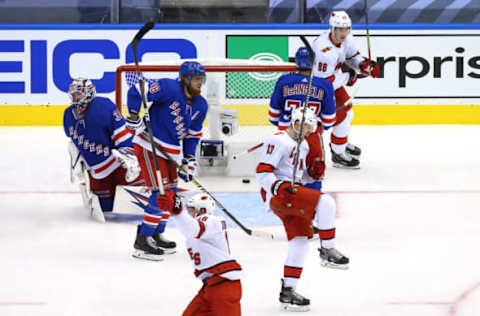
x=234, y=88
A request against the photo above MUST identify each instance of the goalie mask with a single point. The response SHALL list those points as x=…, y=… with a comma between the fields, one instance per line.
x=199, y=204
x=81, y=92
x=311, y=120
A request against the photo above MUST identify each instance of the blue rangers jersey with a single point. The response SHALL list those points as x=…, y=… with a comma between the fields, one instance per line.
x=289, y=94
x=101, y=130
x=174, y=118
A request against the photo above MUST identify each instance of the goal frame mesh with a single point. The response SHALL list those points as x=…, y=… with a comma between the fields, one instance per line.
x=234, y=66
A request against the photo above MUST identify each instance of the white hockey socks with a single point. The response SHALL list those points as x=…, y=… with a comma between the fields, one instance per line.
x=297, y=251
x=325, y=220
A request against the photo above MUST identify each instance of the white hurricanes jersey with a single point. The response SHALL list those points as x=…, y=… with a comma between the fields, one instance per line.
x=277, y=160
x=330, y=57
x=208, y=247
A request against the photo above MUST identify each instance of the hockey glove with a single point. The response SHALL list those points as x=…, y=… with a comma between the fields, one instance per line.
x=169, y=202
x=134, y=101
x=317, y=169
x=189, y=168
x=177, y=205
x=283, y=191
x=353, y=77
x=129, y=161
x=369, y=67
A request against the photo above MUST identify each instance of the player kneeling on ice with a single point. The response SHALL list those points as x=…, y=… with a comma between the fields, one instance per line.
x=208, y=247
x=100, y=148
x=297, y=206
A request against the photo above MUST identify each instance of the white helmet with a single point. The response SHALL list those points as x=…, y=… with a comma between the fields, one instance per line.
x=310, y=117
x=201, y=201
x=339, y=19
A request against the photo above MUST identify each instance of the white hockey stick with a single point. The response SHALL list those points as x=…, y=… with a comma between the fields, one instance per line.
x=257, y=146
x=246, y=151
x=349, y=101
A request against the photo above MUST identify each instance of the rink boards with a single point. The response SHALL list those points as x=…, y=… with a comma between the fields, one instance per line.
x=428, y=73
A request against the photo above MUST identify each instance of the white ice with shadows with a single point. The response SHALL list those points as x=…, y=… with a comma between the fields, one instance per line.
x=409, y=220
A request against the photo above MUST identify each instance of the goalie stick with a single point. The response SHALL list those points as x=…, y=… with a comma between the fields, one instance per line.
x=255, y=233
x=157, y=185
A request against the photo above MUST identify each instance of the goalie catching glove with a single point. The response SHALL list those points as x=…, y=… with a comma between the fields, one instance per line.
x=129, y=161
x=189, y=168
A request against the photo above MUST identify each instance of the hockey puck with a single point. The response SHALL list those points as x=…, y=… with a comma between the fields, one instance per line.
x=245, y=180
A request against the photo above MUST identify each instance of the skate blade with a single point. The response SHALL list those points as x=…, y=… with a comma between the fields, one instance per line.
x=294, y=308
x=354, y=156
x=139, y=254
x=331, y=265
x=168, y=251
x=338, y=165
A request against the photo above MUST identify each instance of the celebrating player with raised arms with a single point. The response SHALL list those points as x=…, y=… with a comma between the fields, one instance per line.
x=333, y=49
x=290, y=93
x=297, y=207
x=100, y=142
x=177, y=113
x=209, y=249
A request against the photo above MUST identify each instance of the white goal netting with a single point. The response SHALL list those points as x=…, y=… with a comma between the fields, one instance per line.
x=238, y=93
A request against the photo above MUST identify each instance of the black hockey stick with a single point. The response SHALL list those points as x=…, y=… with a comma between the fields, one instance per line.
x=255, y=233
x=368, y=31
x=157, y=185
x=307, y=98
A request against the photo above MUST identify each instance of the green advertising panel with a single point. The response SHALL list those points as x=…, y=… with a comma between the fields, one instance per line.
x=254, y=84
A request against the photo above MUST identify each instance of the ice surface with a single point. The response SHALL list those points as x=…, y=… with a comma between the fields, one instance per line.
x=409, y=220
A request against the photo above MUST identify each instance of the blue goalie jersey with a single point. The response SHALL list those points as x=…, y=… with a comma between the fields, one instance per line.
x=101, y=130
x=290, y=93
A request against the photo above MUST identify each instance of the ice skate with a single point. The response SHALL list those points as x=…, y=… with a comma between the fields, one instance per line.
x=332, y=258
x=168, y=246
x=292, y=301
x=353, y=150
x=344, y=160
x=145, y=248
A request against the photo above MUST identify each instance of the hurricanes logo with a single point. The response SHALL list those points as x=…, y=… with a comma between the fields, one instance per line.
x=265, y=76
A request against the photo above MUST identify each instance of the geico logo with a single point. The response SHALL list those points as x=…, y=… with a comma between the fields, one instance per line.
x=59, y=61
x=439, y=63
